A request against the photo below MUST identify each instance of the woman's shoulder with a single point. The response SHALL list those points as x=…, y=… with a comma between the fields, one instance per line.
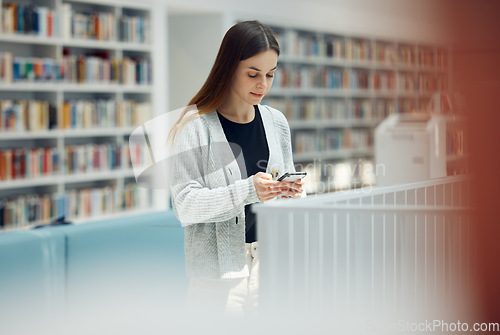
x=193, y=127
x=277, y=116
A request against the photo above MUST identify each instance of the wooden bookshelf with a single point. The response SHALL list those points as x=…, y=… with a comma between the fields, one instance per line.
x=81, y=93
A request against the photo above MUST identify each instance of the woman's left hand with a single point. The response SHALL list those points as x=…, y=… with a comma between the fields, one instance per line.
x=293, y=190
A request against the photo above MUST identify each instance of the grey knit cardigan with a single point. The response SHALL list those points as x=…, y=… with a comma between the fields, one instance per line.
x=209, y=192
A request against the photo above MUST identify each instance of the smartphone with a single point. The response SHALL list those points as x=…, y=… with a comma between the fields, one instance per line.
x=292, y=176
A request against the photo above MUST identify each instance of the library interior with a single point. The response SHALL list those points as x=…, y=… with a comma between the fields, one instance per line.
x=391, y=109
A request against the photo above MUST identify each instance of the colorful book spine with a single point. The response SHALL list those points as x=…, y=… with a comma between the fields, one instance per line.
x=27, y=163
x=6, y=67
x=135, y=29
x=77, y=69
x=94, y=157
x=89, y=25
x=455, y=142
x=38, y=209
x=29, y=19
x=27, y=115
x=330, y=140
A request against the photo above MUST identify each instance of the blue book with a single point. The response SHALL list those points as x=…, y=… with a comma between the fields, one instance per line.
x=20, y=19
x=16, y=73
x=73, y=115
x=36, y=22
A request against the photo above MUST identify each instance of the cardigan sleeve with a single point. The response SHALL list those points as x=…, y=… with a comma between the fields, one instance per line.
x=189, y=171
x=283, y=129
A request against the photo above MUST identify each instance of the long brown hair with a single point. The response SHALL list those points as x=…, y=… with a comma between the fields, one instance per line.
x=242, y=41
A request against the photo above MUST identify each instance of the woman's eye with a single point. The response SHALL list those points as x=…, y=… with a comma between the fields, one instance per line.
x=252, y=76
x=270, y=75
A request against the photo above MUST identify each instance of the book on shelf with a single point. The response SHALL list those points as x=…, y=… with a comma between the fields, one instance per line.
x=334, y=47
x=358, y=49
x=384, y=53
x=28, y=210
x=29, y=19
x=6, y=67
x=305, y=109
x=94, y=157
x=27, y=163
x=104, y=26
x=95, y=68
x=91, y=25
x=406, y=55
x=27, y=115
x=135, y=29
x=34, y=115
x=330, y=140
x=86, y=114
x=455, y=142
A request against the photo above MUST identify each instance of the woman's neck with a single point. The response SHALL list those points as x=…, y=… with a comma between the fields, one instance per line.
x=237, y=112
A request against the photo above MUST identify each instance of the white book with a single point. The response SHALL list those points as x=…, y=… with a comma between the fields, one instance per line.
x=65, y=21
x=56, y=28
x=7, y=66
x=42, y=21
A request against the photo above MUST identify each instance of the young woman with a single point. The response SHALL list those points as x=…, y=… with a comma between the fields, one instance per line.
x=228, y=150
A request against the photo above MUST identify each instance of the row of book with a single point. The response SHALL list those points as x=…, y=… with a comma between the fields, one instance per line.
x=306, y=77
x=325, y=176
x=85, y=114
x=384, y=53
x=359, y=49
x=21, y=163
x=29, y=163
x=29, y=19
x=135, y=29
x=409, y=82
x=332, y=109
x=47, y=22
x=35, y=115
x=39, y=209
x=312, y=45
x=27, y=115
x=310, y=77
x=330, y=139
x=104, y=26
x=140, y=155
x=455, y=142
x=91, y=25
x=75, y=69
x=95, y=157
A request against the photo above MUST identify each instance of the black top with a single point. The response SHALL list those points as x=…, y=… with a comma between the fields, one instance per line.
x=251, y=138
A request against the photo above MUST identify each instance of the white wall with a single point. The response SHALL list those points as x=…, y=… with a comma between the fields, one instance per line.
x=402, y=19
x=193, y=42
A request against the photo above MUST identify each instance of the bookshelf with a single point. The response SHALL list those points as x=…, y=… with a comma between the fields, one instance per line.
x=76, y=78
x=334, y=88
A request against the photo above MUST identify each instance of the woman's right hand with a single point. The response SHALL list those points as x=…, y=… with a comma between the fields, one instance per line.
x=268, y=189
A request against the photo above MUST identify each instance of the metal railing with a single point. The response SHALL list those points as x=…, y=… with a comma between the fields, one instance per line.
x=383, y=249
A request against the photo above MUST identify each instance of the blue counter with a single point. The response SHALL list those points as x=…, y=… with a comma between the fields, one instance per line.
x=128, y=265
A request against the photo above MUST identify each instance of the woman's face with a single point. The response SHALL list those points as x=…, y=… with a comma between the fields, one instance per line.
x=254, y=77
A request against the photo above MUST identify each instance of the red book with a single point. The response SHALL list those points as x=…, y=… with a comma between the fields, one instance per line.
x=22, y=163
x=49, y=23
x=96, y=27
x=2, y=165
x=14, y=164
x=96, y=164
x=33, y=167
x=45, y=161
x=138, y=155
